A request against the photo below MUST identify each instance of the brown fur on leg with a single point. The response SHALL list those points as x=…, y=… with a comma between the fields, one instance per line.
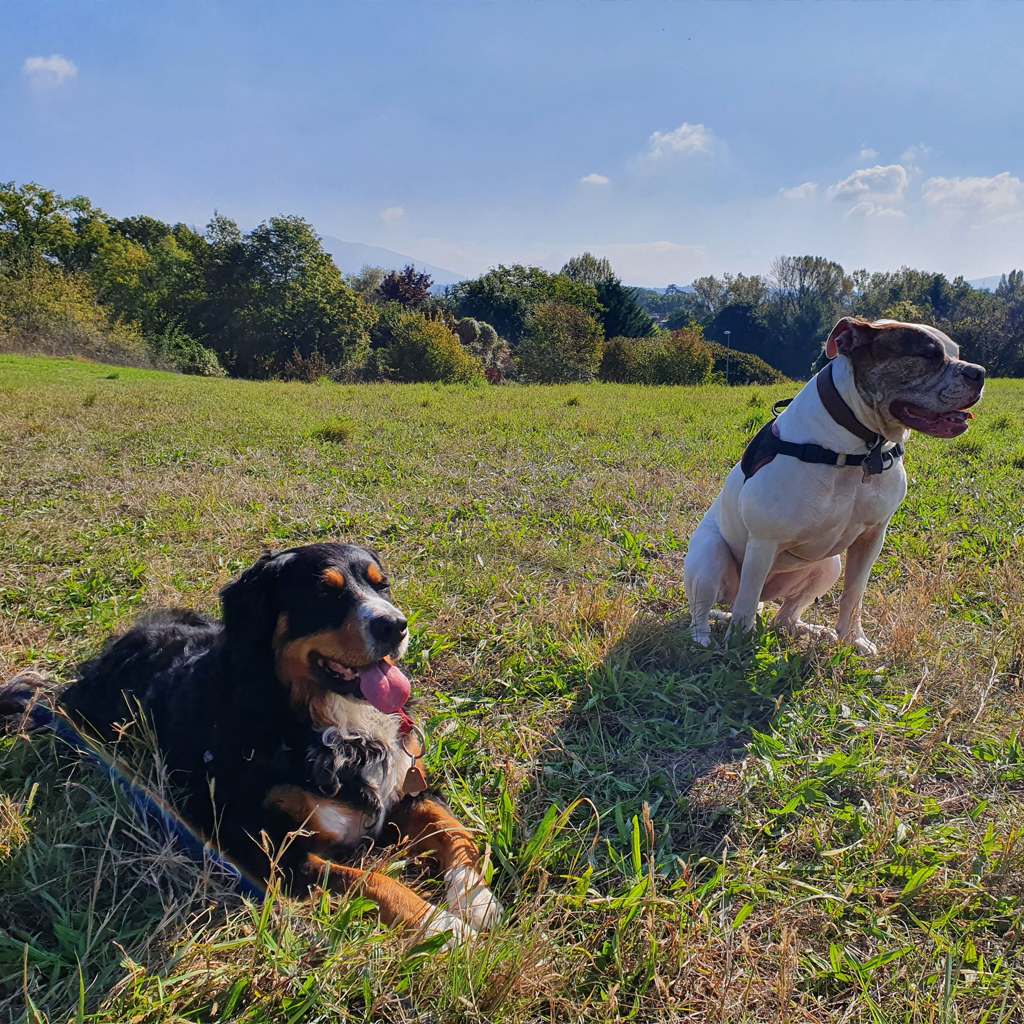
x=432, y=829
x=398, y=903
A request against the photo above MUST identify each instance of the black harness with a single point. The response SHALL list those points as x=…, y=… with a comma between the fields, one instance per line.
x=766, y=443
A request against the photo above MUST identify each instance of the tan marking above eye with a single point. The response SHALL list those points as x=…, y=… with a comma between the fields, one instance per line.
x=374, y=574
x=280, y=632
x=333, y=578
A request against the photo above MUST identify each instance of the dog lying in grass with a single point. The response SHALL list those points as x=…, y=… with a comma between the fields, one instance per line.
x=825, y=478
x=289, y=718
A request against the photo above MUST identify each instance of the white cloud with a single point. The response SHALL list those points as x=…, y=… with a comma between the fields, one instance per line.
x=998, y=195
x=804, y=191
x=48, y=71
x=869, y=209
x=686, y=139
x=868, y=154
x=872, y=182
x=912, y=156
x=392, y=215
x=595, y=179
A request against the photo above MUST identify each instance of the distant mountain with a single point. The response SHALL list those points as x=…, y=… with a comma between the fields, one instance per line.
x=989, y=284
x=351, y=257
x=672, y=289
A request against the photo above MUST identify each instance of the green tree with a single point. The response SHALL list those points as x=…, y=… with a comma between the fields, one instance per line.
x=506, y=296
x=588, y=269
x=622, y=314
x=563, y=344
x=37, y=224
x=274, y=292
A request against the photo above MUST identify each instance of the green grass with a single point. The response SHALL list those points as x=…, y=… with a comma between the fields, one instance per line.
x=781, y=833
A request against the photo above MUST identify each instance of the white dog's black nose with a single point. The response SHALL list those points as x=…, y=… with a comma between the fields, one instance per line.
x=388, y=629
x=972, y=371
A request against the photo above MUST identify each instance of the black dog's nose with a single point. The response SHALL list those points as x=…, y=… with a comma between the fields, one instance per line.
x=388, y=629
x=974, y=372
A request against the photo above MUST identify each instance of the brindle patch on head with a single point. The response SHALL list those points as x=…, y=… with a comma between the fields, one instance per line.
x=901, y=359
x=333, y=578
x=374, y=575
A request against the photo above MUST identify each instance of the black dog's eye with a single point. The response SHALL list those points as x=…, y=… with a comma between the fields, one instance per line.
x=376, y=578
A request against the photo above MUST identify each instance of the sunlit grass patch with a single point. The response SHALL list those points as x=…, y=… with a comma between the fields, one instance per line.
x=778, y=832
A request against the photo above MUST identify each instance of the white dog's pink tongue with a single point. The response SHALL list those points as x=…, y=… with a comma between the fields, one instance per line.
x=385, y=687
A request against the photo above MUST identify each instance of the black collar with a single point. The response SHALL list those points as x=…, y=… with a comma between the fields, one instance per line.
x=837, y=408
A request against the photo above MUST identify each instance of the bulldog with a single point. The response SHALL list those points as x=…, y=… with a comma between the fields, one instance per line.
x=826, y=477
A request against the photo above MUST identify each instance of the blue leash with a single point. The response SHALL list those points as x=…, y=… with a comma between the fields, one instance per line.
x=143, y=801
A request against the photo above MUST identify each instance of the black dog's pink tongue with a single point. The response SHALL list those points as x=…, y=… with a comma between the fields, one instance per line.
x=385, y=687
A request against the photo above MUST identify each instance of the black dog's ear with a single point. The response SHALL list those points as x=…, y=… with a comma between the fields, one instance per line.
x=250, y=603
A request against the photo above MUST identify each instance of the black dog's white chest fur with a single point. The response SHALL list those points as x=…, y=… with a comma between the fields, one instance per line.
x=357, y=756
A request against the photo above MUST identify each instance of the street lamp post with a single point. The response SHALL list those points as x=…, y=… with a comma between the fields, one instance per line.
x=728, y=352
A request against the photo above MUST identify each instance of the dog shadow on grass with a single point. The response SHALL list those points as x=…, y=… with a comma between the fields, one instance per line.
x=664, y=724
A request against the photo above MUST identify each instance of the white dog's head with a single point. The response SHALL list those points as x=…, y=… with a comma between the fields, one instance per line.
x=911, y=375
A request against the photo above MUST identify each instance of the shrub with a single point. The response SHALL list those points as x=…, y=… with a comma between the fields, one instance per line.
x=181, y=351
x=425, y=350
x=682, y=358
x=468, y=330
x=482, y=342
x=630, y=360
x=563, y=345
x=309, y=368
x=744, y=368
x=44, y=310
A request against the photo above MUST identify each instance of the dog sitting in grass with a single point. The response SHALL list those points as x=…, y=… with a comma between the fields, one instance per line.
x=825, y=477
x=290, y=718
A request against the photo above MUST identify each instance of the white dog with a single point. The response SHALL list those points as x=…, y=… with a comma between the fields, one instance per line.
x=826, y=477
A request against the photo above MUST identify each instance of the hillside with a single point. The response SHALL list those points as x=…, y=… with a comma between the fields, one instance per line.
x=351, y=257
x=781, y=832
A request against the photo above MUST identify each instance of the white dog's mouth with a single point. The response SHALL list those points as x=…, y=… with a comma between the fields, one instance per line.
x=925, y=421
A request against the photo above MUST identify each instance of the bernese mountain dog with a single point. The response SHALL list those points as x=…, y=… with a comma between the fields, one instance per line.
x=289, y=718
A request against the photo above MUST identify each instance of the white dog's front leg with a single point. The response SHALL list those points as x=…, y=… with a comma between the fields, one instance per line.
x=859, y=559
x=758, y=559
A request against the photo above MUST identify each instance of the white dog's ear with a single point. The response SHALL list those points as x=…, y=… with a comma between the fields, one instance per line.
x=848, y=334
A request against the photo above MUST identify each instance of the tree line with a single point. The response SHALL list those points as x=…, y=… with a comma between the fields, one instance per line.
x=785, y=316
x=271, y=303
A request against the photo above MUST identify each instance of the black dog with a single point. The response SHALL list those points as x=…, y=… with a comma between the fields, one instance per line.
x=290, y=716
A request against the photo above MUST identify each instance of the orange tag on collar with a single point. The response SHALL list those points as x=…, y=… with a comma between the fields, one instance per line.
x=415, y=780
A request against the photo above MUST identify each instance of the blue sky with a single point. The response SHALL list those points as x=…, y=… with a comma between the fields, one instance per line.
x=677, y=138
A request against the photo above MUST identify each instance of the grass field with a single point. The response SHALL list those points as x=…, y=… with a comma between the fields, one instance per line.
x=775, y=833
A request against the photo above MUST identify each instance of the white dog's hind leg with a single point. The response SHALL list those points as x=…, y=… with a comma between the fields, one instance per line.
x=816, y=580
x=859, y=559
x=710, y=575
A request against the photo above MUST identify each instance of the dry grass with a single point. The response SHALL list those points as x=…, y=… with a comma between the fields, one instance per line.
x=779, y=833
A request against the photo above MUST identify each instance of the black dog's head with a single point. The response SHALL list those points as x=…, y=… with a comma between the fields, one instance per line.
x=322, y=616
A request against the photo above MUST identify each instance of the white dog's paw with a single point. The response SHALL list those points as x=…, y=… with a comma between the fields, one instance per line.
x=439, y=921
x=830, y=636
x=864, y=647
x=717, y=615
x=470, y=898
x=704, y=639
